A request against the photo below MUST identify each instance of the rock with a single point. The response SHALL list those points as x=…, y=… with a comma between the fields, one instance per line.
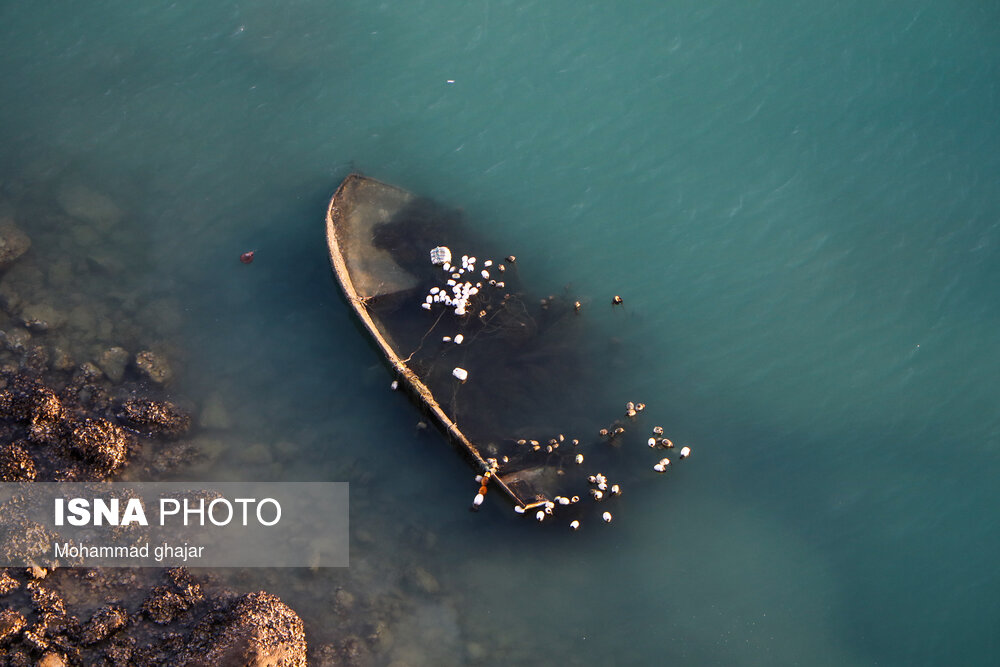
x=476, y=651
x=36, y=359
x=13, y=242
x=26, y=540
x=44, y=599
x=16, y=465
x=103, y=624
x=214, y=413
x=257, y=630
x=41, y=317
x=36, y=572
x=7, y=583
x=87, y=205
x=26, y=399
x=16, y=339
x=11, y=623
x=424, y=581
x=99, y=442
x=165, y=603
x=153, y=366
x=154, y=417
x=52, y=659
x=10, y=298
x=113, y=362
x=255, y=454
x=61, y=359
x=344, y=600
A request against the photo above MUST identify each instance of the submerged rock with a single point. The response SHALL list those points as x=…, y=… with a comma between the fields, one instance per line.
x=154, y=366
x=13, y=242
x=113, y=362
x=154, y=417
x=16, y=339
x=87, y=205
x=214, y=413
x=41, y=317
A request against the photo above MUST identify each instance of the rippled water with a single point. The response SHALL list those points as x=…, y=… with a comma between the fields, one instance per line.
x=799, y=205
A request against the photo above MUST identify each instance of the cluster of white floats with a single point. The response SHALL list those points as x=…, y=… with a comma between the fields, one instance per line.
x=458, y=290
x=600, y=487
x=457, y=294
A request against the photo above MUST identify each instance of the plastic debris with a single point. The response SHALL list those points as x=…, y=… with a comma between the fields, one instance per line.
x=440, y=255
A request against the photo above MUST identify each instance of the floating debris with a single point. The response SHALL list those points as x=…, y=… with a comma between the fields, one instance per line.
x=441, y=255
x=616, y=301
x=685, y=452
x=461, y=374
x=247, y=257
x=574, y=525
x=395, y=385
x=607, y=517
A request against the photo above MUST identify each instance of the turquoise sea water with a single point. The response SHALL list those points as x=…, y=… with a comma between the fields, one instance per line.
x=800, y=204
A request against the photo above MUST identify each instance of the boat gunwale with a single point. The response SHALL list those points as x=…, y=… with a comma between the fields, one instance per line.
x=415, y=384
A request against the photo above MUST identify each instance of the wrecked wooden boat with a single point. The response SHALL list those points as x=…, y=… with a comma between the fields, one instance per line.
x=499, y=371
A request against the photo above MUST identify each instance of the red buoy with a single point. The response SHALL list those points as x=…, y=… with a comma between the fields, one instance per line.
x=247, y=257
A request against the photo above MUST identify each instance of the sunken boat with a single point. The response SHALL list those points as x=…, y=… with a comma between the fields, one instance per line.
x=500, y=371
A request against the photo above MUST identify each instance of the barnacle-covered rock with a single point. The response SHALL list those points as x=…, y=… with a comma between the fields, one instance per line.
x=258, y=629
x=99, y=442
x=16, y=465
x=154, y=417
x=154, y=366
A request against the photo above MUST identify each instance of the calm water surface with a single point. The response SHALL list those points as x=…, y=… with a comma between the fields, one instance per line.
x=799, y=203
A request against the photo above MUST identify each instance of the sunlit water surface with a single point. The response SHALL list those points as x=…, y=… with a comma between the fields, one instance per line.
x=799, y=204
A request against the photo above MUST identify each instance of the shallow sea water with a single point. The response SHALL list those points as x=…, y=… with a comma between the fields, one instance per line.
x=799, y=204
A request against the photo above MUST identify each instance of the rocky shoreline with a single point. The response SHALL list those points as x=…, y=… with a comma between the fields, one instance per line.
x=77, y=405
